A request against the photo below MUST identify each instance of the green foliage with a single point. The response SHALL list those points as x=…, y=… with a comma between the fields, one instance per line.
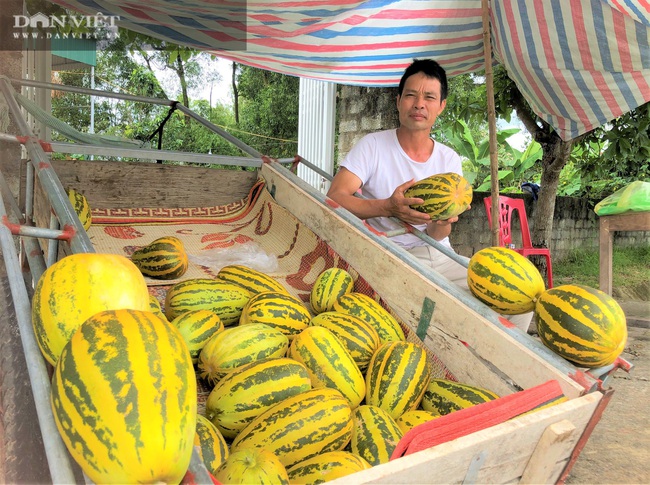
x=613, y=155
x=466, y=102
x=269, y=111
x=515, y=166
x=602, y=161
x=119, y=71
x=463, y=125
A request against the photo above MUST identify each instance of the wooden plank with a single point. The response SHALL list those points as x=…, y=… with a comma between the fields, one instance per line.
x=631, y=221
x=634, y=221
x=476, y=350
x=506, y=448
x=605, y=242
x=109, y=184
x=555, y=444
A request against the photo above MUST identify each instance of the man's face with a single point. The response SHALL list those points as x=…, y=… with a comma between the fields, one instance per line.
x=420, y=103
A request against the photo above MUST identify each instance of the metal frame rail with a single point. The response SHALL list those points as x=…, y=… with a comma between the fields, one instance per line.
x=57, y=457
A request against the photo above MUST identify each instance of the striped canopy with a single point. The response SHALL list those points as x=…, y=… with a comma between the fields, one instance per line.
x=579, y=63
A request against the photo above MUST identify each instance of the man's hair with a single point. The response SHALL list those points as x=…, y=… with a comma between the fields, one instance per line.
x=431, y=69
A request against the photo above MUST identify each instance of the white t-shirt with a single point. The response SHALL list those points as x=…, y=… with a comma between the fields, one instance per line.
x=382, y=165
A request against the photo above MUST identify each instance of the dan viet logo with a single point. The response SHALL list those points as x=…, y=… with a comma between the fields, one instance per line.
x=41, y=26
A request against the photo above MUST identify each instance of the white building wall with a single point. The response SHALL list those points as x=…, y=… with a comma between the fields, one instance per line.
x=316, y=123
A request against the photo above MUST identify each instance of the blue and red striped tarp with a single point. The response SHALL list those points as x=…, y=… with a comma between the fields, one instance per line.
x=579, y=63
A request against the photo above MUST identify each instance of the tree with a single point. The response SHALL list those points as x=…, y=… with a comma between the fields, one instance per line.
x=514, y=165
x=121, y=67
x=623, y=143
x=614, y=155
x=268, y=104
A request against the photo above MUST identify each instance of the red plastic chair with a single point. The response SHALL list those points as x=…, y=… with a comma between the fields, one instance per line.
x=506, y=207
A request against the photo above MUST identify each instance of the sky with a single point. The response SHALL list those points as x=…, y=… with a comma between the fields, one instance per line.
x=210, y=89
x=519, y=141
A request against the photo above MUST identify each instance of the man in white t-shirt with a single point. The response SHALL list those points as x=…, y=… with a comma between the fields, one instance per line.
x=383, y=165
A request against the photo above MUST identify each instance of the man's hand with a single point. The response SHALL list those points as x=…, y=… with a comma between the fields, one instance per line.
x=440, y=229
x=400, y=206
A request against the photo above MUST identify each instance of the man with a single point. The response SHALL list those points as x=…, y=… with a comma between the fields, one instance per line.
x=383, y=165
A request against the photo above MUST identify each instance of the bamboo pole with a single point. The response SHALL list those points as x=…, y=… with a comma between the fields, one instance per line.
x=492, y=123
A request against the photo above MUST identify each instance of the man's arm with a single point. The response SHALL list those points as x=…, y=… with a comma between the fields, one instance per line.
x=345, y=184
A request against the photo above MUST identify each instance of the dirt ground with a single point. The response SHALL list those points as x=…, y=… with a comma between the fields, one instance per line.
x=619, y=448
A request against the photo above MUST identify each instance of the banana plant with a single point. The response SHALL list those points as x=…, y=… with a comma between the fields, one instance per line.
x=513, y=163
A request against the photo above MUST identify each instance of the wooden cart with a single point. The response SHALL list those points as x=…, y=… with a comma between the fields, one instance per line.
x=473, y=343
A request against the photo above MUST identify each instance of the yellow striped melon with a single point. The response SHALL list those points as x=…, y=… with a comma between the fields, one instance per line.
x=329, y=363
x=250, y=390
x=300, y=427
x=163, y=259
x=81, y=207
x=250, y=466
x=444, y=195
x=358, y=337
x=370, y=311
x=252, y=280
x=328, y=287
x=504, y=280
x=443, y=396
x=197, y=327
x=212, y=446
x=78, y=286
x=326, y=467
x=374, y=435
x=124, y=398
x=279, y=310
x=237, y=346
x=154, y=307
x=223, y=298
x=397, y=377
x=584, y=325
x=416, y=417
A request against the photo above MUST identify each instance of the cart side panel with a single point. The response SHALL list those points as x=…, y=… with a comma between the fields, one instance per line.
x=473, y=348
x=499, y=454
x=110, y=184
x=136, y=184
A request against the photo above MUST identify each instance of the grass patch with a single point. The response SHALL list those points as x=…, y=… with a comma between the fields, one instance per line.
x=631, y=269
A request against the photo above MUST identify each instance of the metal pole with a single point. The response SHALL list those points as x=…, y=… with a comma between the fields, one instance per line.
x=53, y=244
x=157, y=154
x=492, y=124
x=316, y=169
x=31, y=247
x=57, y=457
x=91, y=92
x=8, y=196
x=79, y=242
x=91, y=129
x=143, y=99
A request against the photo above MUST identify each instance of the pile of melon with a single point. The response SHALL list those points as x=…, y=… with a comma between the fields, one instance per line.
x=581, y=324
x=299, y=392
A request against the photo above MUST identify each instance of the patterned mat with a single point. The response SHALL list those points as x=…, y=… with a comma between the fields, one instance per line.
x=256, y=223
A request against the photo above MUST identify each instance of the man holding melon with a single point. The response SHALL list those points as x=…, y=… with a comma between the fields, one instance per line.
x=393, y=168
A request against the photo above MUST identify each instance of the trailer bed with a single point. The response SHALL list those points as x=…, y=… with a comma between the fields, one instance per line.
x=470, y=342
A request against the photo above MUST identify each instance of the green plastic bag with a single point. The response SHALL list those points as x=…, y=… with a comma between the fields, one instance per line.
x=632, y=197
